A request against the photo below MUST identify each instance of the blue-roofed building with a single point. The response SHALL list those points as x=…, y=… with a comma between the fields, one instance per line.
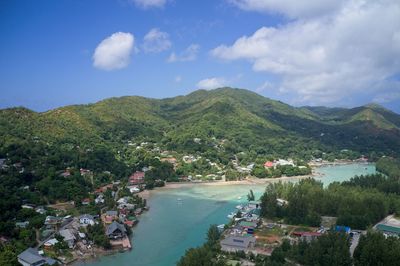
x=344, y=229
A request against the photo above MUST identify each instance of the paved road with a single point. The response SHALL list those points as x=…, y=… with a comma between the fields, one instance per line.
x=354, y=243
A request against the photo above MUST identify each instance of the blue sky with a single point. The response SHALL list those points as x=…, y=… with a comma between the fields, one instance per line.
x=55, y=53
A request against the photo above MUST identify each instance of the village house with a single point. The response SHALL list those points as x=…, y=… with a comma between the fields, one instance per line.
x=22, y=224
x=307, y=236
x=99, y=199
x=85, y=201
x=40, y=209
x=53, y=220
x=136, y=178
x=103, y=189
x=31, y=257
x=268, y=164
x=238, y=243
x=116, y=231
x=50, y=243
x=110, y=216
x=134, y=189
x=86, y=219
x=68, y=236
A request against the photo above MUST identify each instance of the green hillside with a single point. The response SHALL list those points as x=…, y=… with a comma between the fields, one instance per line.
x=248, y=121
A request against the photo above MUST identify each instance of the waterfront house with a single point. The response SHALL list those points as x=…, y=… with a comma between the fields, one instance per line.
x=116, y=231
x=68, y=236
x=246, y=225
x=86, y=219
x=31, y=257
x=238, y=243
x=254, y=204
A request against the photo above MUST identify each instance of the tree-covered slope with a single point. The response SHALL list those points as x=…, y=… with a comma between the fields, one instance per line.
x=244, y=119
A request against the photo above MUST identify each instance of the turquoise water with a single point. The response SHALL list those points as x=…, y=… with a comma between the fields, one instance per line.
x=342, y=173
x=172, y=226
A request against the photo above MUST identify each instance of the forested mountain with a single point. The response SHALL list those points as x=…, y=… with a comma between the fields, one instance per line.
x=245, y=120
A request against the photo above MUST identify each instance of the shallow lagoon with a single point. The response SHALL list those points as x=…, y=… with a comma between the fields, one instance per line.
x=179, y=218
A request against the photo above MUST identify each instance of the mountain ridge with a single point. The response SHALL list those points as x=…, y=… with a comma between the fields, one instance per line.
x=248, y=120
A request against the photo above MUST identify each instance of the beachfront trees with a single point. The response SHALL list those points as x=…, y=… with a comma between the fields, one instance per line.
x=375, y=249
x=213, y=235
x=207, y=254
x=355, y=206
x=269, y=206
x=250, y=196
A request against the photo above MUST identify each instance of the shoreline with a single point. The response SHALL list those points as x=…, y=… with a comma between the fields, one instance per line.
x=147, y=194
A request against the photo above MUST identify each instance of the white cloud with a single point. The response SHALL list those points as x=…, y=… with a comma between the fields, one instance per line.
x=178, y=79
x=156, y=41
x=189, y=54
x=266, y=86
x=145, y=4
x=290, y=8
x=114, y=52
x=212, y=83
x=328, y=58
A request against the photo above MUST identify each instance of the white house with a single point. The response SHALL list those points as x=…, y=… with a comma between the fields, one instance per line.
x=86, y=219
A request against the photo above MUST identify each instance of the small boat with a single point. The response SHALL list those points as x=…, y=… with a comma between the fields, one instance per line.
x=230, y=216
x=221, y=226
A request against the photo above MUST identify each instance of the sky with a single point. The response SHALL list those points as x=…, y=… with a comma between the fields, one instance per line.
x=317, y=52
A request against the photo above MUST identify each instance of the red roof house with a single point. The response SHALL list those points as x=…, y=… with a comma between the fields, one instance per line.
x=268, y=164
x=136, y=178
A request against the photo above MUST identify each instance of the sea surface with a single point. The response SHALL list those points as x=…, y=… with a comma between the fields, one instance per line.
x=179, y=218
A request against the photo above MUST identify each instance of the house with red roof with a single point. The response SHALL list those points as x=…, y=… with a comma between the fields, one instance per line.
x=268, y=164
x=136, y=178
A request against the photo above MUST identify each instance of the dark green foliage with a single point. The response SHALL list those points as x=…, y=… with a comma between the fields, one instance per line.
x=206, y=255
x=354, y=206
x=250, y=196
x=329, y=249
x=375, y=249
x=96, y=233
x=389, y=166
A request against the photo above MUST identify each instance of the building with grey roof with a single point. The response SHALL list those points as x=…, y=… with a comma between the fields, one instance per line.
x=116, y=230
x=238, y=243
x=68, y=236
x=31, y=257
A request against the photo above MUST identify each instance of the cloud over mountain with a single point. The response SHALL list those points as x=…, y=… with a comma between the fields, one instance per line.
x=324, y=56
x=114, y=52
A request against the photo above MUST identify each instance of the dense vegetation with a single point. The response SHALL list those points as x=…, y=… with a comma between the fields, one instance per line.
x=329, y=249
x=355, y=206
x=44, y=152
x=389, y=166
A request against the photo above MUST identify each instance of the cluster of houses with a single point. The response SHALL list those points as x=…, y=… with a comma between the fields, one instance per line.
x=240, y=236
x=279, y=162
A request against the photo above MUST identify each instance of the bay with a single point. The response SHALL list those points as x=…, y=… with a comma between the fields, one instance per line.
x=179, y=218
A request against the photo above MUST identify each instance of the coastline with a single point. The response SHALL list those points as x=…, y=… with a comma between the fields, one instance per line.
x=147, y=194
